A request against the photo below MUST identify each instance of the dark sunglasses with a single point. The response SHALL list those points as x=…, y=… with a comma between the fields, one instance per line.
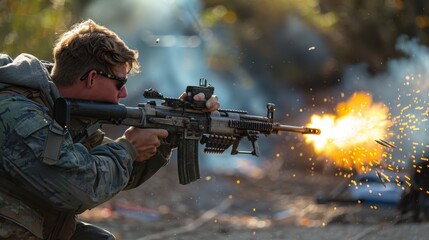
x=119, y=85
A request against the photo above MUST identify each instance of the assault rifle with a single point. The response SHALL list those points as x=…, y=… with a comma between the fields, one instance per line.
x=186, y=122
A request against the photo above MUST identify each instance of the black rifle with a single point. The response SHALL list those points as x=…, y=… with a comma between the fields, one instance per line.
x=186, y=122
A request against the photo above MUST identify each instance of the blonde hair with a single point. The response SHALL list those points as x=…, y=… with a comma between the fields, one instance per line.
x=87, y=46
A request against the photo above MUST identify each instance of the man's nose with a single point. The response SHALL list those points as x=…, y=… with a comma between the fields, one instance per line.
x=123, y=92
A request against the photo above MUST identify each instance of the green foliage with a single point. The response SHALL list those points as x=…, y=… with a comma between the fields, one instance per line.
x=368, y=30
x=259, y=28
x=30, y=25
x=353, y=31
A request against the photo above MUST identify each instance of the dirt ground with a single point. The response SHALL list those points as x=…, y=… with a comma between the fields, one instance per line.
x=280, y=204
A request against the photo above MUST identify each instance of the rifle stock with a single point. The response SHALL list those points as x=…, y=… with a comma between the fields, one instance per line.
x=187, y=123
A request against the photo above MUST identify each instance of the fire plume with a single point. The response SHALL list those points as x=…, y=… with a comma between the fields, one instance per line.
x=348, y=137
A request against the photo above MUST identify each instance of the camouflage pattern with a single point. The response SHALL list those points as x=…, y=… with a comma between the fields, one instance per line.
x=30, y=222
x=77, y=178
x=12, y=231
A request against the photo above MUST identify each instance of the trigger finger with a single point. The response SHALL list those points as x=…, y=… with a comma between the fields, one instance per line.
x=163, y=133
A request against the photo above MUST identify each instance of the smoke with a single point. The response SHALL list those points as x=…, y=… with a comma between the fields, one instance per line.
x=172, y=45
x=403, y=88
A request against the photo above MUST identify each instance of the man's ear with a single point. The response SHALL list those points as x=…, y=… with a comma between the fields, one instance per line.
x=90, y=80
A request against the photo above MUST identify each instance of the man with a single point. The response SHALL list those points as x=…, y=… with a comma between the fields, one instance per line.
x=49, y=174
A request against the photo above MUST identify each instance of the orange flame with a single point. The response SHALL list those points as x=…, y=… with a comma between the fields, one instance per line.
x=348, y=138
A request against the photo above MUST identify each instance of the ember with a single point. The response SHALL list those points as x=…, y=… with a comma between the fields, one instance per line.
x=348, y=137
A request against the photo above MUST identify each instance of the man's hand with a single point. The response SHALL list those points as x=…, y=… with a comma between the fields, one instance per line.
x=211, y=105
x=145, y=141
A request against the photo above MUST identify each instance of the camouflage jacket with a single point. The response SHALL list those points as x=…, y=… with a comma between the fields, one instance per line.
x=68, y=175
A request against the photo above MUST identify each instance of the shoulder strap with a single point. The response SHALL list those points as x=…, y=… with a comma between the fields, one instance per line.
x=30, y=93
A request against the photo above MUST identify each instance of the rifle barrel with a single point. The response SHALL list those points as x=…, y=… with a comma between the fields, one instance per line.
x=298, y=129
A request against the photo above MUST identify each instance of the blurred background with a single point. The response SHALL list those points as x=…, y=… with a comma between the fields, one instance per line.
x=357, y=69
x=305, y=56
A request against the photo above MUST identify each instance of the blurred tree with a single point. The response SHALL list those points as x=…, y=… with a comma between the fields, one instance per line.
x=308, y=43
x=368, y=30
x=278, y=40
x=304, y=43
x=31, y=25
